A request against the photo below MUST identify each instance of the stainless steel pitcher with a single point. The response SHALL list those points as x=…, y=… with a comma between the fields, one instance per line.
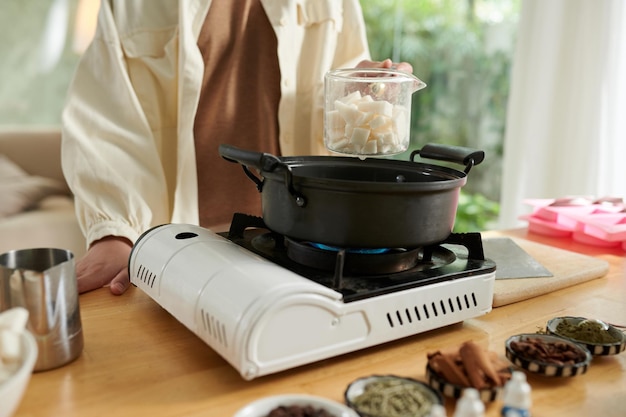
x=43, y=280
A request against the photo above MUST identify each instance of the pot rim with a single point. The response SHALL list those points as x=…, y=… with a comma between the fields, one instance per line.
x=443, y=178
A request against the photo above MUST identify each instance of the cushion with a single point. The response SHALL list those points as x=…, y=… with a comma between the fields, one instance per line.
x=20, y=191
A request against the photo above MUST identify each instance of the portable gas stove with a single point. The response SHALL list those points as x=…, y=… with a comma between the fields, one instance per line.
x=267, y=303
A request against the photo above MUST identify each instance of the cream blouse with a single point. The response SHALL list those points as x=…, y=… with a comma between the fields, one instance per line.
x=128, y=147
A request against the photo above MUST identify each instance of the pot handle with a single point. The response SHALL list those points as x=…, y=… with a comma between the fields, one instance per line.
x=264, y=162
x=457, y=154
x=261, y=161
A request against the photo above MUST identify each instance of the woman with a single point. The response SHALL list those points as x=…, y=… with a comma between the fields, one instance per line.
x=164, y=83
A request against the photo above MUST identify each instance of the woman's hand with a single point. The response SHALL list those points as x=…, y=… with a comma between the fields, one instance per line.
x=386, y=64
x=105, y=263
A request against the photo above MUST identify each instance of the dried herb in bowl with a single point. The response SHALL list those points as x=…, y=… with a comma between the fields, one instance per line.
x=585, y=331
x=391, y=396
x=598, y=337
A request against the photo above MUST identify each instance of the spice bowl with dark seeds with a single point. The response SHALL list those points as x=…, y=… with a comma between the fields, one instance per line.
x=391, y=395
x=601, y=339
x=301, y=405
x=547, y=355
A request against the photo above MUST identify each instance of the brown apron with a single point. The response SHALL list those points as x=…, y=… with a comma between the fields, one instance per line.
x=238, y=105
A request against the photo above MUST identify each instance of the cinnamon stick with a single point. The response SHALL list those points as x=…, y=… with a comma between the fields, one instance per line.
x=478, y=365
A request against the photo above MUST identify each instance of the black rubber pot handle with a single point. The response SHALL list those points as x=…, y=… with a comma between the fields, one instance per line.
x=450, y=153
x=264, y=162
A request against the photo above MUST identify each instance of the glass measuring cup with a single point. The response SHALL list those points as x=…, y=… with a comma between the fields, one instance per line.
x=368, y=111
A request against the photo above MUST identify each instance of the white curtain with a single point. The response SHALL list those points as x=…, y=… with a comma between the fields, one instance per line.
x=566, y=120
x=54, y=34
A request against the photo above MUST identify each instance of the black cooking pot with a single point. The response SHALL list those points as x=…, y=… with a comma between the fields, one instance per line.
x=349, y=202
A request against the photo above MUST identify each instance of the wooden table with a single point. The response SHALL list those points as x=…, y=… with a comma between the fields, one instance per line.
x=139, y=361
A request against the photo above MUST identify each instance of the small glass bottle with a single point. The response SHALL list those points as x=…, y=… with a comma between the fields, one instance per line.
x=516, y=396
x=470, y=404
x=437, y=410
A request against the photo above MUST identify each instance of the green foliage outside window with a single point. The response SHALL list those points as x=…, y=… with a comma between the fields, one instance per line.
x=463, y=51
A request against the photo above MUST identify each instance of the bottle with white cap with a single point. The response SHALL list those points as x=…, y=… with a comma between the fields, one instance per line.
x=437, y=410
x=470, y=404
x=516, y=396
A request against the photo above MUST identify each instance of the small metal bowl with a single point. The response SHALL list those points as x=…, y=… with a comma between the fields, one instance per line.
x=398, y=389
x=440, y=384
x=547, y=368
x=596, y=349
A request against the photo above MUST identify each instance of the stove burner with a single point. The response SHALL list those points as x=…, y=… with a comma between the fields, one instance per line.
x=353, y=262
x=358, y=276
x=365, y=251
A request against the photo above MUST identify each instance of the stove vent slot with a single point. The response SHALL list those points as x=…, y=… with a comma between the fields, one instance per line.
x=144, y=275
x=214, y=328
x=431, y=310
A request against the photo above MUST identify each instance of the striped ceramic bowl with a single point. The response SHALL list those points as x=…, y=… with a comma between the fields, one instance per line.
x=596, y=349
x=450, y=390
x=530, y=363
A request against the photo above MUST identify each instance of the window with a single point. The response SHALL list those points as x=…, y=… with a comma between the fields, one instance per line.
x=463, y=51
x=41, y=46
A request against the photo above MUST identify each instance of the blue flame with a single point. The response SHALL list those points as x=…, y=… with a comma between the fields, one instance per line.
x=367, y=251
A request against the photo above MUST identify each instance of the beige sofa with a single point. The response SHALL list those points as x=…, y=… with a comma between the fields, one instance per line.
x=36, y=206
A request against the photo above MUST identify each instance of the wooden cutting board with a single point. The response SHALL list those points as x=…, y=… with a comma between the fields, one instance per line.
x=568, y=268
